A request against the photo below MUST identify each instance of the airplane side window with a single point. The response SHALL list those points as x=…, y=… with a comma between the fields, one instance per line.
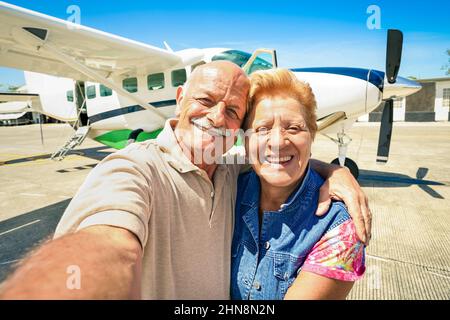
x=178, y=77
x=90, y=92
x=196, y=65
x=155, y=81
x=69, y=95
x=130, y=84
x=105, y=91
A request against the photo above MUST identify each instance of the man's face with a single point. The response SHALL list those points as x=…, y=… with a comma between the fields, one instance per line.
x=211, y=109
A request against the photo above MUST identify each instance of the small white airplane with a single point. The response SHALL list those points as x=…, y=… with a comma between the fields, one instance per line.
x=115, y=90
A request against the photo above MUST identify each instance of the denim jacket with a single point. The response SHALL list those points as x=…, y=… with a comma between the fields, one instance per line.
x=264, y=264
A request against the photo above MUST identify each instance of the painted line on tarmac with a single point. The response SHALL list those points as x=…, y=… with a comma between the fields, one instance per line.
x=437, y=268
x=20, y=227
x=37, y=195
x=439, y=275
x=32, y=194
x=9, y=262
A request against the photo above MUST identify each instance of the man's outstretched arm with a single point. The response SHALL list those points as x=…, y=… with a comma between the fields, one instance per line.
x=341, y=185
x=99, y=262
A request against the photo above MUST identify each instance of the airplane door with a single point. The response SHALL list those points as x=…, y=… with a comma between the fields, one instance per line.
x=261, y=59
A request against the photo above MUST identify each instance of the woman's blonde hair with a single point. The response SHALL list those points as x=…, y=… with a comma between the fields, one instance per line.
x=282, y=82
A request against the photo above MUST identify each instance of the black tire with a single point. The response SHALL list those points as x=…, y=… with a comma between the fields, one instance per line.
x=350, y=164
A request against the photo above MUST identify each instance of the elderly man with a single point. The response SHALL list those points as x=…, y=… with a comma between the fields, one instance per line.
x=152, y=221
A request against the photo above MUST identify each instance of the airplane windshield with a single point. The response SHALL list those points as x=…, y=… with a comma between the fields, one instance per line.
x=240, y=58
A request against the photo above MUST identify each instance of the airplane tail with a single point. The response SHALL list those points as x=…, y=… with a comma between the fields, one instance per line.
x=56, y=96
x=15, y=105
x=49, y=95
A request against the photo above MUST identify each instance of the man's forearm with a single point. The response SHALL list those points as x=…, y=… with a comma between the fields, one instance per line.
x=96, y=263
x=324, y=169
x=341, y=185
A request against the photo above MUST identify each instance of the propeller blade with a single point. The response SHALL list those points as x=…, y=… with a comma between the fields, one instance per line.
x=384, y=140
x=393, y=54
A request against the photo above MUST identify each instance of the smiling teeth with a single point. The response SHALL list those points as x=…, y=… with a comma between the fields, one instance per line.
x=209, y=129
x=278, y=160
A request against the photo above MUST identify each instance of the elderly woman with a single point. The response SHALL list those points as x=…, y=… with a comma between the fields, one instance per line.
x=281, y=249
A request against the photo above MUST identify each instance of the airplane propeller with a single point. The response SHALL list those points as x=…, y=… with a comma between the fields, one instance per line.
x=393, y=60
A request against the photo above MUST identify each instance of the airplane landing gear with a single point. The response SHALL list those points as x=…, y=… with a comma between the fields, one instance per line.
x=343, y=141
x=351, y=165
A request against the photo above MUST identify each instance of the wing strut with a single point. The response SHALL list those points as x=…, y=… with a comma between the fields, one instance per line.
x=58, y=54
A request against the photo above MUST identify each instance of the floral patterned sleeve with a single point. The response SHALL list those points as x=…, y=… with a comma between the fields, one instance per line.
x=338, y=254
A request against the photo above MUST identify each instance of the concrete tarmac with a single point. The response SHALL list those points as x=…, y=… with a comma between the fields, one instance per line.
x=408, y=257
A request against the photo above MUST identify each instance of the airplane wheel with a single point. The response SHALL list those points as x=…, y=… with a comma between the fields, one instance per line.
x=350, y=164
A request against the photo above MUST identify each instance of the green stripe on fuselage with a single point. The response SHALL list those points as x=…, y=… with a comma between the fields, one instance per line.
x=239, y=141
x=118, y=139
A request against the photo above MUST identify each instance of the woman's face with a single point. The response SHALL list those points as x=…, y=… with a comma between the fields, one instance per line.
x=279, y=146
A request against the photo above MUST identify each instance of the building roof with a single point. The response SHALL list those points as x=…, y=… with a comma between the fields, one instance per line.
x=434, y=79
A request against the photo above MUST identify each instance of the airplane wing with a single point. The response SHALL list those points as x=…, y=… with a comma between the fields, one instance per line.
x=11, y=116
x=40, y=43
x=13, y=96
x=14, y=103
x=14, y=107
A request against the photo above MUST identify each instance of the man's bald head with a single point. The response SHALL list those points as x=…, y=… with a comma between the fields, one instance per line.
x=219, y=75
x=220, y=65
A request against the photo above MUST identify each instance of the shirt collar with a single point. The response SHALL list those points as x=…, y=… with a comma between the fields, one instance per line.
x=252, y=191
x=300, y=191
x=310, y=184
x=168, y=144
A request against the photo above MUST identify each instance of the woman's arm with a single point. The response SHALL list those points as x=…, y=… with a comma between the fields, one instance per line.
x=310, y=286
x=335, y=262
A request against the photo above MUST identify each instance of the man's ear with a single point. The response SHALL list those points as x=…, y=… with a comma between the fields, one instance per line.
x=179, y=98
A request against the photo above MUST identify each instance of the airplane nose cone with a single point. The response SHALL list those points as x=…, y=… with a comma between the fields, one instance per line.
x=402, y=88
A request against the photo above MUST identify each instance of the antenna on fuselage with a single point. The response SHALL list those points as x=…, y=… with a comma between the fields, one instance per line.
x=167, y=46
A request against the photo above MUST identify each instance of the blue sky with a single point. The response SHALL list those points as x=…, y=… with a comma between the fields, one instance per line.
x=304, y=33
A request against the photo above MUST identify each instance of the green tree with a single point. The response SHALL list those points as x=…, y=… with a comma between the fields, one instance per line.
x=8, y=87
x=446, y=67
x=12, y=88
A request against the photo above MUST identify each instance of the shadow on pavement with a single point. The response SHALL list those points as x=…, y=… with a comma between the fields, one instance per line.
x=97, y=153
x=380, y=179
